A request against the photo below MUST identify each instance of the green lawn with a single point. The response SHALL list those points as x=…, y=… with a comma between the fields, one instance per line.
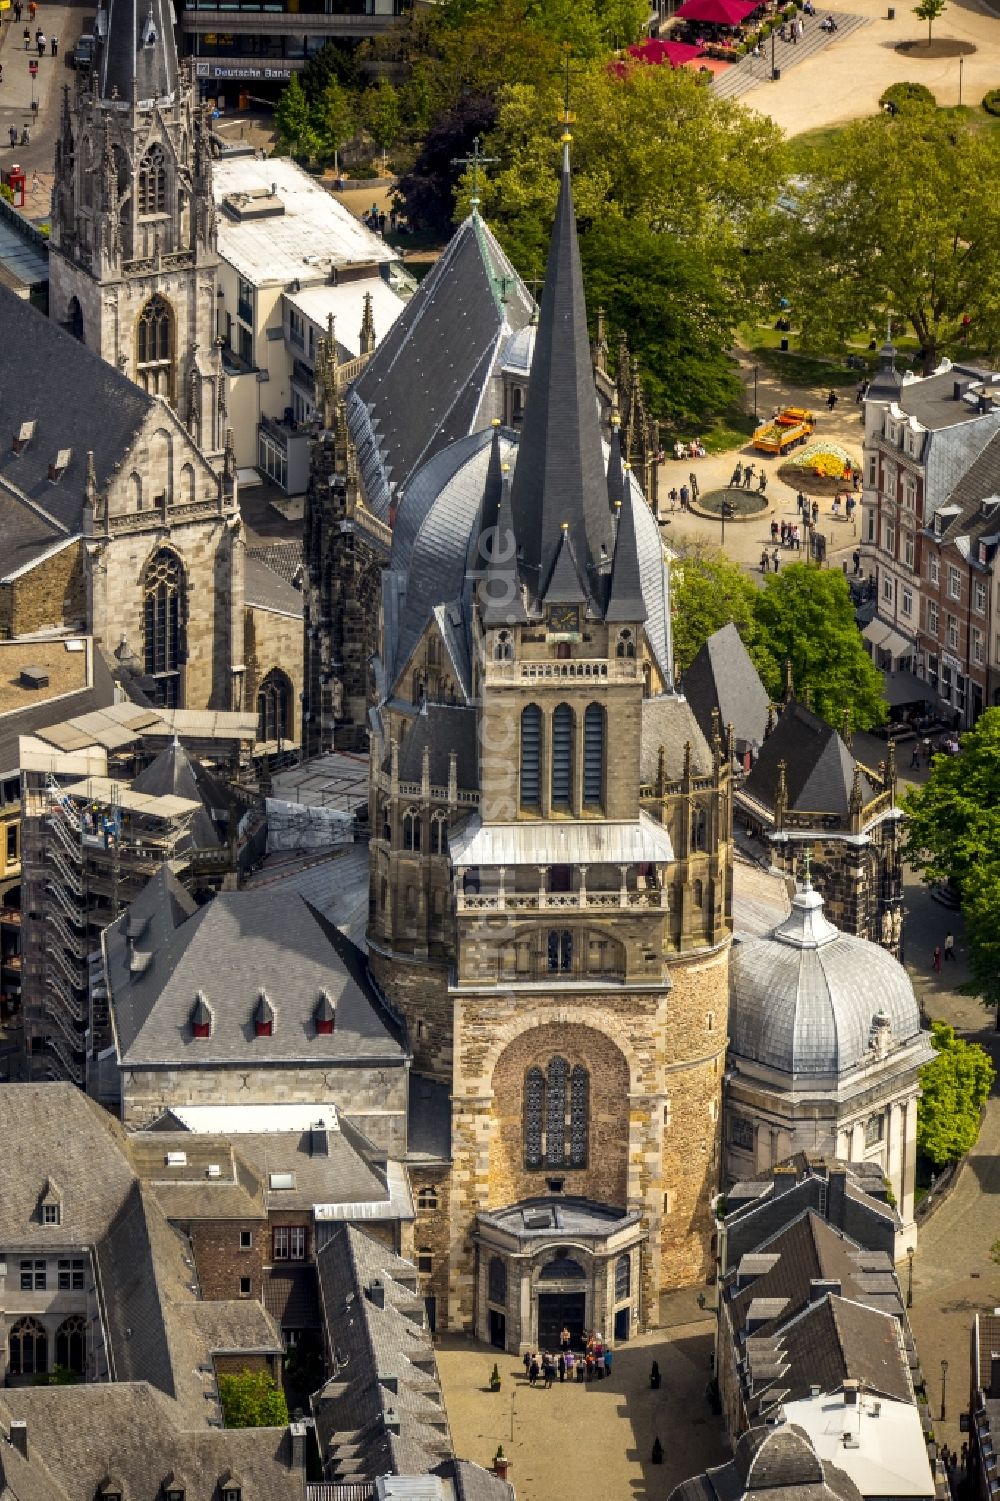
x=815, y=146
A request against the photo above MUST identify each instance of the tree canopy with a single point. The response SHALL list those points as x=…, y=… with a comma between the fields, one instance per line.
x=708, y=592
x=252, y=1399
x=954, y=1088
x=953, y=834
x=901, y=218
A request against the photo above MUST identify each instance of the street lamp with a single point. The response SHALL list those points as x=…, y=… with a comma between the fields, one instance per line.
x=909, y=1277
x=944, y=1386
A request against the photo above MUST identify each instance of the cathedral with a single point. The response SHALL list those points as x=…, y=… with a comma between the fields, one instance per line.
x=121, y=507
x=550, y=865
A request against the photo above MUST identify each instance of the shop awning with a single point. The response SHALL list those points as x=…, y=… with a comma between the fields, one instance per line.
x=903, y=688
x=886, y=638
x=717, y=12
x=657, y=52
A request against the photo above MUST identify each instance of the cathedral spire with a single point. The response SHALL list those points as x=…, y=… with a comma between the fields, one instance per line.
x=489, y=511
x=625, y=601
x=499, y=592
x=137, y=57
x=560, y=468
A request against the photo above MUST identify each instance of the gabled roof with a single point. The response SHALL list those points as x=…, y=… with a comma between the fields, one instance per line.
x=979, y=483
x=266, y=589
x=443, y=345
x=723, y=677
x=240, y=943
x=560, y=477
x=668, y=721
x=442, y=728
x=835, y=1340
x=173, y=775
x=819, y=769
x=566, y=584
x=104, y=417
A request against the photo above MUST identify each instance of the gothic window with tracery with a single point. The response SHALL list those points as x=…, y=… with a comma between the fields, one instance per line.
x=623, y=1278
x=556, y=1115
x=163, y=626
x=626, y=644
x=503, y=647
x=593, y=755
x=154, y=346
x=439, y=834
x=562, y=756
x=274, y=699
x=28, y=1348
x=411, y=829
x=71, y=1344
x=153, y=182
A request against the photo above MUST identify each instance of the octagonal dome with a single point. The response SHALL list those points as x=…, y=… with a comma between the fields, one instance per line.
x=810, y=1000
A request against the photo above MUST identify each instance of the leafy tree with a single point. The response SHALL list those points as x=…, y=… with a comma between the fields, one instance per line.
x=294, y=121
x=252, y=1399
x=954, y=1088
x=929, y=11
x=427, y=191
x=338, y=60
x=380, y=111
x=708, y=592
x=902, y=217
x=335, y=117
x=806, y=616
x=908, y=96
x=953, y=834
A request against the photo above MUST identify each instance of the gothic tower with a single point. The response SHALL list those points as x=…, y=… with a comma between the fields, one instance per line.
x=132, y=270
x=550, y=905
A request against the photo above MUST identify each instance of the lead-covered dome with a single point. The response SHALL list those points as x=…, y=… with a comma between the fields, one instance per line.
x=810, y=1000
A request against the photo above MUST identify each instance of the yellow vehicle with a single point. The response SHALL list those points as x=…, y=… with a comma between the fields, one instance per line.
x=792, y=425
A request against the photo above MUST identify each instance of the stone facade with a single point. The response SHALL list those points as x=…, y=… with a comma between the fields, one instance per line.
x=373, y=1098
x=52, y=594
x=272, y=642
x=222, y=1261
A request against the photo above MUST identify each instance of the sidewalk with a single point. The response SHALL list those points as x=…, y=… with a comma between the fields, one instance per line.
x=18, y=89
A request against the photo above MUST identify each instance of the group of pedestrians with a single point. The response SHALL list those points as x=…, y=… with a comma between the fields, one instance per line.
x=41, y=42
x=592, y=1363
x=743, y=477
x=949, y=952
x=685, y=495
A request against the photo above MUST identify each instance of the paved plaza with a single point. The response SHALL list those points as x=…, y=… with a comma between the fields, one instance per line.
x=590, y=1440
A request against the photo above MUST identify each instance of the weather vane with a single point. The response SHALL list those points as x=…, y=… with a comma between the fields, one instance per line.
x=474, y=162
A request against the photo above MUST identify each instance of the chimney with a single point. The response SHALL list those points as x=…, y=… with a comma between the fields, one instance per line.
x=994, y=1374
x=19, y=1436
x=783, y=1179
x=501, y=1464
x=376, y=1292
x=958, y=389
x=297, y=1434
x=819, y=1287
x=850, y=1393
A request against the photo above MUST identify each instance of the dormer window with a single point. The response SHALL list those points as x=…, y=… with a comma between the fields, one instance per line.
x=50, y=1205
x=173, y=1487
x=230, y=1488
x=263, y=1017
x=109, y=1489
x=201, y=1017
x=50, y=1214
x=325, y=1015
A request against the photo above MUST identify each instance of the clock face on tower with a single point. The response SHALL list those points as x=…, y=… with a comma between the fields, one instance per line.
x=564, y=618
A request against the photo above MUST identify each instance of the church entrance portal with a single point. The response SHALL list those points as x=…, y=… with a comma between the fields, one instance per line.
x=559, y=1310
x=622, y=1320
x=498, y=1329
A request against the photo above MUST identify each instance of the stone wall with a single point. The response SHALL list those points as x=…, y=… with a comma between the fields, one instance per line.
x=431, y=1232
x=419, y=991
x=273, y=640
x=221, y=1262
x=53, y=593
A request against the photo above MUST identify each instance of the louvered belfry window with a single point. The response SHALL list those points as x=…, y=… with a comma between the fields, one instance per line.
x=562, y=756
x=593, y=756
x=531, y=756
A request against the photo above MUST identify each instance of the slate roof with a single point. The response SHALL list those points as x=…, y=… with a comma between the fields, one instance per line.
x=104, y=416
x=240, y=943
x=79, y=1435
x=625, y=601
x=443, y=728
x=444, y=344
x=819, y=769
x=137, y=59
x=835, y=1340
x=281, y=557
x=290, y=1297
x=428, y=1132
x=337, y=1174
x=172, y=774
x=932, y=399
x=377, y=1349
x=772, y=1461
x=563, y=480
x=809, y=1249
x=265, y=589
x=669, y=720
x=723, y=677
x=979, y=483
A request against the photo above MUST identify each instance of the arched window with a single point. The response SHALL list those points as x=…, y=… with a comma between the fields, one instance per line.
x=187, y=495
x=562, y=756
x=698, y=826
x=135, y=490
x=517, y=406
x=699, y=893
x=560, y=951
x=497, y=1284
x=411, y=829
x=534, y=1112
x=71, y=1345
x=579, y=1116
x=152, y=198
x=555, y=1112
x=427, y=1198
x=154, y=347
x=556, y=1116
x=274, y=700
x=74, y=318
x=623, y=1278
x=626, y=644
x=503, y=647
x=593, y=756
x=439, y=834
x=164, y=609
x=531, y=756
x=28, y=1348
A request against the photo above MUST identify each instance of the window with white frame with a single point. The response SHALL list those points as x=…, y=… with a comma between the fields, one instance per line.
x=906, y=599
x=979, y=597
x=932, y=619
x=954, y=583
x=870, y=530
x=909, y=491
x=272, y=460
x=908, y=549
x=960, y=682
x=873, y=471
x=887, y=587
x=978, y=647
x=889, y=542
x=952, y=633
x=933, y=568
x=891, y=477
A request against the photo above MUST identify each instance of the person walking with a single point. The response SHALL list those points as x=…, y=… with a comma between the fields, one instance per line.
x=936, y=961
x=54, y=46
x=815, y=511
x=949, y=946
x=27, y=38
x=774, y=531
x=831, y=400
x=581, y=1369
x=17, y=12
x=775, y=560
x=762, y=482
x=526, y=1362
x=693, y=481
x=565, y=1339
x=672, y=497
x=764, y=561
x=748, y=477
x=737, y=478
x=12, y=132
x=32, y=10
x=561, y=1366
x=533, y=1370
x=40, y=43
x=25, y=136
x=915, y=756
x=608, y=1358
x=548, y=1371
x=569, y=1361
x=685, y=497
